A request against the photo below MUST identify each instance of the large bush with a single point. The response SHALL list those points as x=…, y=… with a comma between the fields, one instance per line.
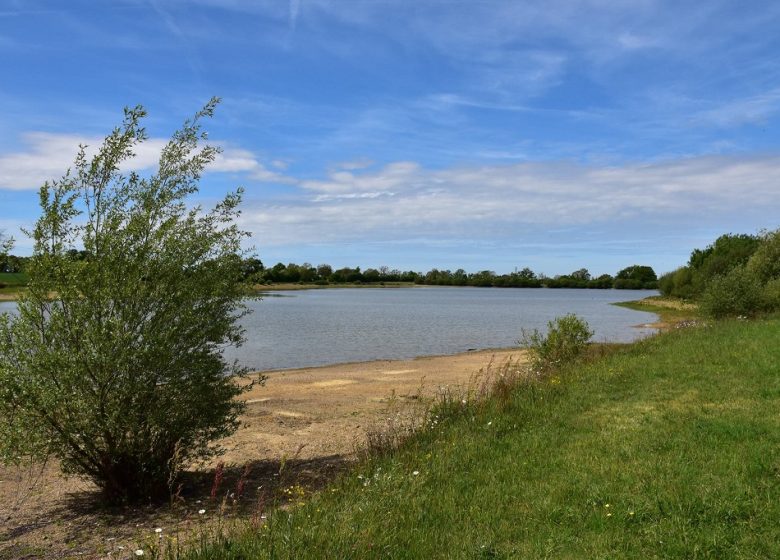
x=771, y=295
x=765, y=262
x=114, y=363
x=737, y=293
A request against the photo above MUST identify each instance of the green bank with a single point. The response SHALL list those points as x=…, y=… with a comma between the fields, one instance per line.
x=667, y=448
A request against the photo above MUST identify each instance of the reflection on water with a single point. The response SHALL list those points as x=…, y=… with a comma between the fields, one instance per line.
x=319, y=327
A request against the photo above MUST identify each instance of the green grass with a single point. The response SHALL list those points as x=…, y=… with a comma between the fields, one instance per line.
x=670, y=310
x=13, y=278
x=12, y=283
x=669, y=448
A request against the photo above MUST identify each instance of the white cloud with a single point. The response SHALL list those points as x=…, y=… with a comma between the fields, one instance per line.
x=406, y=201
x=49, y=155
x=392, y=176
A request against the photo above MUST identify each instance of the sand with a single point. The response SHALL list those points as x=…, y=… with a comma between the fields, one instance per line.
x=325, y=411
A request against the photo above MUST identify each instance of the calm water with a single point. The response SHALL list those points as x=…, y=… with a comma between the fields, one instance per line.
x=319, y=327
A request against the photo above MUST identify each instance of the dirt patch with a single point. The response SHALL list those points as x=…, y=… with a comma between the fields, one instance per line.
x=300, y=429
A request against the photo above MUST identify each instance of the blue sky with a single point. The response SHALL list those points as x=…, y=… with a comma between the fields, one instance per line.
x=419, y=134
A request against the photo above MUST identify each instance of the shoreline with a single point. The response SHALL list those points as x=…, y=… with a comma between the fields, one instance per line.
x=325, y=410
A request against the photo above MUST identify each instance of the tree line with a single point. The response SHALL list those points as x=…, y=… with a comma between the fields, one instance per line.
x=635, y=277
x=632, y=277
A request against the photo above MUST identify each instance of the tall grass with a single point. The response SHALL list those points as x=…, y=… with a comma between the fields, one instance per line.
x=668, y=448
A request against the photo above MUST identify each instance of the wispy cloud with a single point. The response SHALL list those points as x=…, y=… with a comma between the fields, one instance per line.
x=295, y=9
x=406, y=201
x=754, y=109
x=49, y=155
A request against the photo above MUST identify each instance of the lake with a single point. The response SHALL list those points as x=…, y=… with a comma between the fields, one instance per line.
x=321, y=327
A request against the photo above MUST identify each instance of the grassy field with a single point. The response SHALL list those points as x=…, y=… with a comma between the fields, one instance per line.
x=11, y=283
x=668, y=448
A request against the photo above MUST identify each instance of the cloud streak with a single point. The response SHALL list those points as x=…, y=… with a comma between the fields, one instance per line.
x=49, y=155
x=405, y=200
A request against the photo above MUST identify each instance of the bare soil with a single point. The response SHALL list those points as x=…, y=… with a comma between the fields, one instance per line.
x=300, y=430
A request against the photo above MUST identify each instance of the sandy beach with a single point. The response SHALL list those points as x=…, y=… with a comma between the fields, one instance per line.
x=324, y=411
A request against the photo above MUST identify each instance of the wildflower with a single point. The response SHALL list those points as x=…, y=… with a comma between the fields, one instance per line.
x=158, y=530
x=201, y=511
x=490, y=423
x=139, y=552
x=609, y=515
x=415, y=473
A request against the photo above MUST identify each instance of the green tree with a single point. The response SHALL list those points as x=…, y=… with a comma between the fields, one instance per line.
x=581, y=274
x=719, y=258
x=636, y=277
x=764, y=263
x=324, y=271
x=121, y=376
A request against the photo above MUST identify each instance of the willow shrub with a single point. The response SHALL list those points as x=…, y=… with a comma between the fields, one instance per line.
x=566, y=338
x=736, y=293
x=114, y=362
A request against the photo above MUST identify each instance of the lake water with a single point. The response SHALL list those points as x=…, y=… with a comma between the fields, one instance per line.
x=320, y=327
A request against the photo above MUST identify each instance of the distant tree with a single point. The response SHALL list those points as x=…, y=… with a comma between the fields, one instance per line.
x=460, y=278
x=347, y=275
x=604, y=282
x=122, y=375
x=371, y=275
x=527, y=274
x=483, y=279
x=581, y=274
x=251, y=268
x=636, y=277
x=324, y=271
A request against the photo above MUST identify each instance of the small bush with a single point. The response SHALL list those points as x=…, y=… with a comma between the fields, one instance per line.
x=566, y=338
x=737, y=293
